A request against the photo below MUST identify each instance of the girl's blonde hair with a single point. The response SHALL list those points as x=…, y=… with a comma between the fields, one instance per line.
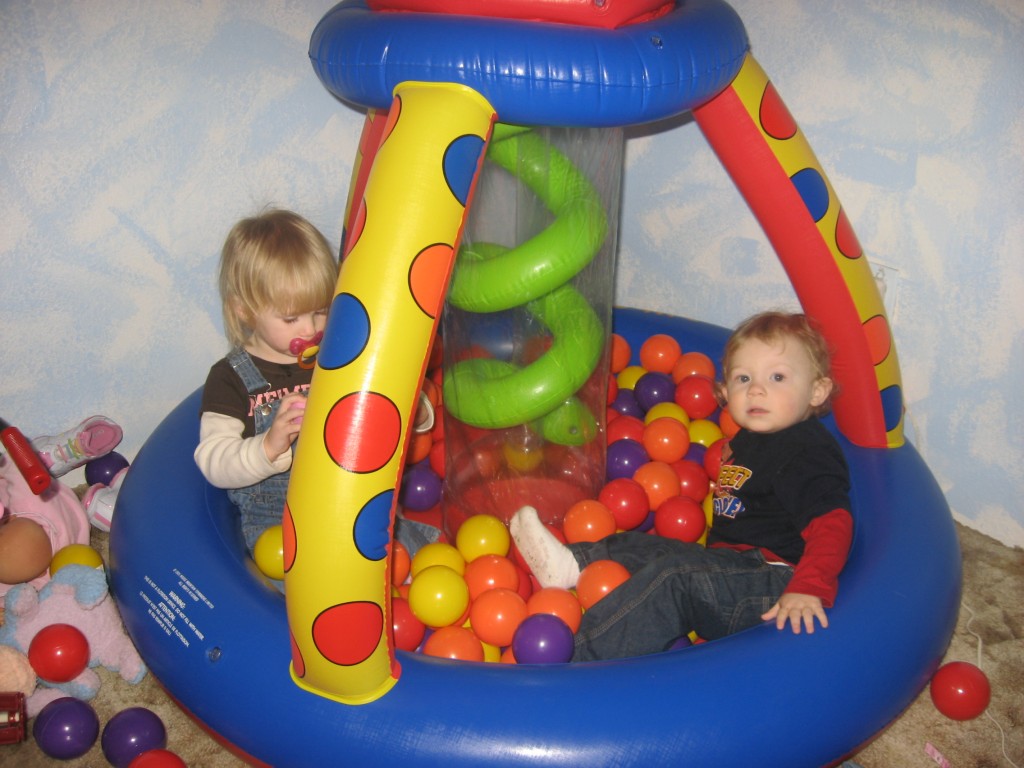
x=275, y=260
x=772, y=327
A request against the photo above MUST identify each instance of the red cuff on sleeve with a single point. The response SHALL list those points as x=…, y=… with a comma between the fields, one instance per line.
x=827, y=544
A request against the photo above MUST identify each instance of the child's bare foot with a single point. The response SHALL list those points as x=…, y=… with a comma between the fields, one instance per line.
x=551, y=561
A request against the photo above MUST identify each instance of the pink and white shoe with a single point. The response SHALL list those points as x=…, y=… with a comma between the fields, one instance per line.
x=100, y=499
x=94, y=437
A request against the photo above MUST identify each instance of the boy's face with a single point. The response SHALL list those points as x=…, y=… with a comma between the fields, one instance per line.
x=273, y=333
x=771, y=386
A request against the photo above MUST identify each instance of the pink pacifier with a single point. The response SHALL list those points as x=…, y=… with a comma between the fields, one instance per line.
x=305, y=350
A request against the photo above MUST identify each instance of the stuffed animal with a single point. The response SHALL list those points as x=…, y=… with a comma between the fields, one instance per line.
x=77, y=595
x=17, y=676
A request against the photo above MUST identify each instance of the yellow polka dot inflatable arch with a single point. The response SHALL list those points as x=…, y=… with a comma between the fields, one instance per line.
x=313, y=678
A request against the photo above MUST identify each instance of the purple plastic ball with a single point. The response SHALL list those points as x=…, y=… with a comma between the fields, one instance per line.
x=625, y=403
x=131, y=732
x=624, y=457
x=103, y=468
x=653, y=388
x=542, y=639
x=421, y=487
x=66, y=728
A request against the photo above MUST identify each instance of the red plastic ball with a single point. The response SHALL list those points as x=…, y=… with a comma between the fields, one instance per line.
x=680, y=518
x=713, y=458
x=58, y=653
x=627, y=500
x=625, y=428
x=696, y=395
x=693, y=479
x=157, y=758
x=409, y=630
x=960, y=690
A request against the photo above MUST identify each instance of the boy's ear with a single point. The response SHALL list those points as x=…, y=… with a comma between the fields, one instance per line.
x=820, y=391
x=239, y=309
x=720, y=394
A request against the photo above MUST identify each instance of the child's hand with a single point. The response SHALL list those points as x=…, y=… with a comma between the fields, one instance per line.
x=285, y=427
x=797, y=609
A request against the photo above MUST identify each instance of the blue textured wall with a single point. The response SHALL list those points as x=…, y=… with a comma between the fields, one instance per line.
x=134, y=135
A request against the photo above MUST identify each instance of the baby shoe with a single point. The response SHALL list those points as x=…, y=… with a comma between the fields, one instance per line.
x=99, y=501
x=94, y=437
x=424, y=415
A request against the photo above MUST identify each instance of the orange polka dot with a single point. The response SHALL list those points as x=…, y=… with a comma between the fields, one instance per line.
x=363, y=431
x=428, y=277
x=876, y=331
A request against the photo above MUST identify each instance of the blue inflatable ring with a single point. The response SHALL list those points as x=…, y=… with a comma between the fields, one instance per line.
x=581, y=76
x=214, y=633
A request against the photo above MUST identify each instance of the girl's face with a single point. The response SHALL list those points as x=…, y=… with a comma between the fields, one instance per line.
x=772, y=386
x=273, y=333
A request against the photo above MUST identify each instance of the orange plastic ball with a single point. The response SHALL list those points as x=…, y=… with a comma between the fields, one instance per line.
x=419, y=447
x=727, y=424
x=659, y=481
x=660, y=353
x=598, y=579
x=454, y=643
x=496, y=614
x=693, y=364
x=666, y=439
x=588, y=520
x=621, y=353
x=558, y=602
x=490, y=572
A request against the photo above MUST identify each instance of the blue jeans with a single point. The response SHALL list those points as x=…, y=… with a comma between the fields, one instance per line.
x=674, y=588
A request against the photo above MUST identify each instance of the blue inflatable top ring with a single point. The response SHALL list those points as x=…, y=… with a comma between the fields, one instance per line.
x=577, y=76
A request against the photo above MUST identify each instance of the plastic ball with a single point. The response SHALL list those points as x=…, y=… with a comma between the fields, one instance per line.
x=436, y=457
x=727, y=424
x=696, y=395
x=597, y=580
x=66, y=728
x=624, y=457
x=659, y=481
x=705, y=432
x=693, y=364
x=496, y=614
x=653, y=388
x=625, y=403
x=490, y=572
x=421, y=487
x=680, y=518
x=694, y=482
x=268, y=552
x=438, y=596
x=670, y=409
x=58, y=653
x=626, y=428
x=542, y=639
x=400, y=563
x=524, y=456
x=558, y=602
x=157, y=758
x=621, y=353
x=666, y=439
x=628, y=376
x=482, y=535
x=130, y=733
x=960, y=691
x=454, y=643
x=712, y=460
x=419, y=448
x=103, y=468
x=659, y=352
x=588, y=520
x=626, y=499
x=437, y=553
x=75, y=554
x=409, y=630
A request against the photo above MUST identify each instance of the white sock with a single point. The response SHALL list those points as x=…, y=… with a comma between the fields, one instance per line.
x=550, y=560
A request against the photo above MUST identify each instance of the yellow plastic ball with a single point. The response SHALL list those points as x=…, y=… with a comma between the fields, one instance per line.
x=438, y=596
x=437, y=553
x=482, y=535
x=629, y=376
x=704, y=432
x=667, y=409
x=75, y=554
x=268, y=552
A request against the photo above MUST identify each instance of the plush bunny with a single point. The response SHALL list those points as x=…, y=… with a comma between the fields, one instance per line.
x=77, y=595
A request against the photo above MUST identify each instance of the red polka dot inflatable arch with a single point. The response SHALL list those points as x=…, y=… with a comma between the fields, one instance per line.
x=304, y=680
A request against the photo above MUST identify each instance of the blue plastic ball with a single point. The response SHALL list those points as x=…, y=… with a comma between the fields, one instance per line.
x=421, y=487
x=131, y=732
x=653, y=388
x=66, y=728
x=103, y=468
x=624, y=457
x=625, y=403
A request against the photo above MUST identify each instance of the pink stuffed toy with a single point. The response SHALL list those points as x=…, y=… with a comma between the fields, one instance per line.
x=76, y=595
